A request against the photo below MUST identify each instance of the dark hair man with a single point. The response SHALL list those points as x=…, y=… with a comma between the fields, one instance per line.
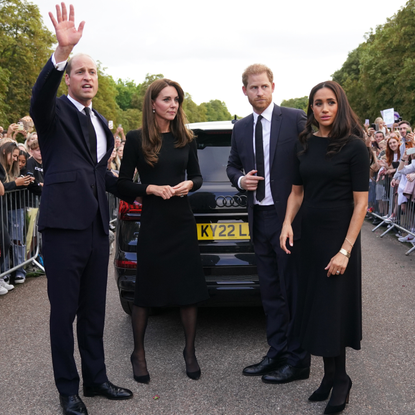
x=76, y=144
x=261, y=162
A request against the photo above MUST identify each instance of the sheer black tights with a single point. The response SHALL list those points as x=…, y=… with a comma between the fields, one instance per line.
x=335, y=377
x=138, y=357
x=188, y=315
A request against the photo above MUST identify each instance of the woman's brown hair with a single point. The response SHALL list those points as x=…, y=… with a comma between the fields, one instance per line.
x=151, y=134
x=389, y=153
x=345, y=125
x=12, y=170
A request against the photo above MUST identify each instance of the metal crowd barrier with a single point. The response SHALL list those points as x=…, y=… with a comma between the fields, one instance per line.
x=19, y=238
x=392, y=208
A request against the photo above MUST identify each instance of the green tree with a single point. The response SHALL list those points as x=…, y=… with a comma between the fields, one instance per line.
x=104, y=101
x=379, y=73
x=25, y=46
x=350, y=78
x=125, y=91
x=216, y=110
x=299, y=103
x=194, y=112
x=130, y=119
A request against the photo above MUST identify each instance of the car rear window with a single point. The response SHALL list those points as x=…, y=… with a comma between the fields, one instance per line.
x=213, y=152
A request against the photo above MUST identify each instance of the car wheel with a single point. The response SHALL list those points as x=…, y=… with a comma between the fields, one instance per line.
x=127, y=306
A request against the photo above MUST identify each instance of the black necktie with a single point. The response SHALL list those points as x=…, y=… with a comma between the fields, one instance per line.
x=92, y=134
x=259, y=155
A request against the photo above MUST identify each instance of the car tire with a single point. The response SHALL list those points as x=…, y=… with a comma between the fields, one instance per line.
x=127, y=306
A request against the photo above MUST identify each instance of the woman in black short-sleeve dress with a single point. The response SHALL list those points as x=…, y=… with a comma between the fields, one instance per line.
x=331, y=187
x=169, y=268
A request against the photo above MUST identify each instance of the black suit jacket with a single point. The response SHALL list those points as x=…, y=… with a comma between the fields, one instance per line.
x=286, y=125
x=74, y=185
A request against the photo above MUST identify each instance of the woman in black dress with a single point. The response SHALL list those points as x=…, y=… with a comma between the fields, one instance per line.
x=331, y=187
x=169, y=268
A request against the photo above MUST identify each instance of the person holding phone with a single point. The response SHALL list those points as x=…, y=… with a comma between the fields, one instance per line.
x=331, y=187
x=12, y=180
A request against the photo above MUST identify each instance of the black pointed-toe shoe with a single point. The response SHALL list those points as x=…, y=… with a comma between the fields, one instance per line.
x=107, y=390
x=140, y=379
x=319, y=396
x=335, y=409
x=72, y=405
x=192, y=375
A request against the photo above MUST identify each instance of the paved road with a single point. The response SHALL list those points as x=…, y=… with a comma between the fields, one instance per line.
x=383, y=372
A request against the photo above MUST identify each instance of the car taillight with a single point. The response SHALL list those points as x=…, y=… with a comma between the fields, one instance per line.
x=127, y=211
x=120, y=263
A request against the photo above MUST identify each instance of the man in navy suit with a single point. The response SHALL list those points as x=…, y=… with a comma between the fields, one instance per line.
x=76, y=144
x=261, y=162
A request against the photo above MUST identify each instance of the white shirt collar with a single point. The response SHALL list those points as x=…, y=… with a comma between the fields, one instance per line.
x=78, y=105
x=267, y=113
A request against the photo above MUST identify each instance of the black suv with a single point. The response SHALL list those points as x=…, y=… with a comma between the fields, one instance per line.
x=222, y=223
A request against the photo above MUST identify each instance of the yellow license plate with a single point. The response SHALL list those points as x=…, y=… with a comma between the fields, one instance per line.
x=219, y=231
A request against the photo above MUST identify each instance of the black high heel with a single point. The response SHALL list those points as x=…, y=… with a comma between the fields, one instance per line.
x=192, y=375
x=334, y=409
x=319, y=396
x=140, y=379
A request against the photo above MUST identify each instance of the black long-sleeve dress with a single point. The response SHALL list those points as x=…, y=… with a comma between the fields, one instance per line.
x=330, y=308
x=169, y=267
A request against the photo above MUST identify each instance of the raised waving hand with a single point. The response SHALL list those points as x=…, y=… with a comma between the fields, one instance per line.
x=67, y=34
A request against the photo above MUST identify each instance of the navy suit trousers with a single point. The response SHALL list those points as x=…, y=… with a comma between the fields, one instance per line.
x=278, y=273
x=76, y=263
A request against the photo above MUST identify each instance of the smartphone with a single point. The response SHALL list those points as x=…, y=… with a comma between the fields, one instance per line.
x=373, y=126
x=410, y=151
x=119, y=126
x=110, y=124
x=20, y=126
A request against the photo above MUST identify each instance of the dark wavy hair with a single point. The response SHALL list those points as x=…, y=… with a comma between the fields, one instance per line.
x=151, y=134
x=345, y=126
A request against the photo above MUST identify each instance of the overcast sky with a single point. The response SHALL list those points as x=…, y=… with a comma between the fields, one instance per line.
x=205, y=46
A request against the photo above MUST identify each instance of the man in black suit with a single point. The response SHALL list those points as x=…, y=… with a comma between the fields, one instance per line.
x=261, y=162
x=76, y=144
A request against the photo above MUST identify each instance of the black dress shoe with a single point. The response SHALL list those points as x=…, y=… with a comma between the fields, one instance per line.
x=266, y=365
x=72, y=405
x=287, y=373
x=108, y=390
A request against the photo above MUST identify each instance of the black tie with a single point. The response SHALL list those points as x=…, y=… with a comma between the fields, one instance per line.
x=259, y=154
x=92, y=134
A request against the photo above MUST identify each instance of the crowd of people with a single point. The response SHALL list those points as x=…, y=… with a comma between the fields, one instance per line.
x=392, y=176
x=21, y=168
x=306, y=238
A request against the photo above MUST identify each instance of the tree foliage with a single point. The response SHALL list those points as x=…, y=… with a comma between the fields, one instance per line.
x=379, y=73
x=25, y=45
x=299, y=103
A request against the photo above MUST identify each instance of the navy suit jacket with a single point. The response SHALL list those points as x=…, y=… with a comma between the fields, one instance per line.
x=286, y=125
x=74, y=187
